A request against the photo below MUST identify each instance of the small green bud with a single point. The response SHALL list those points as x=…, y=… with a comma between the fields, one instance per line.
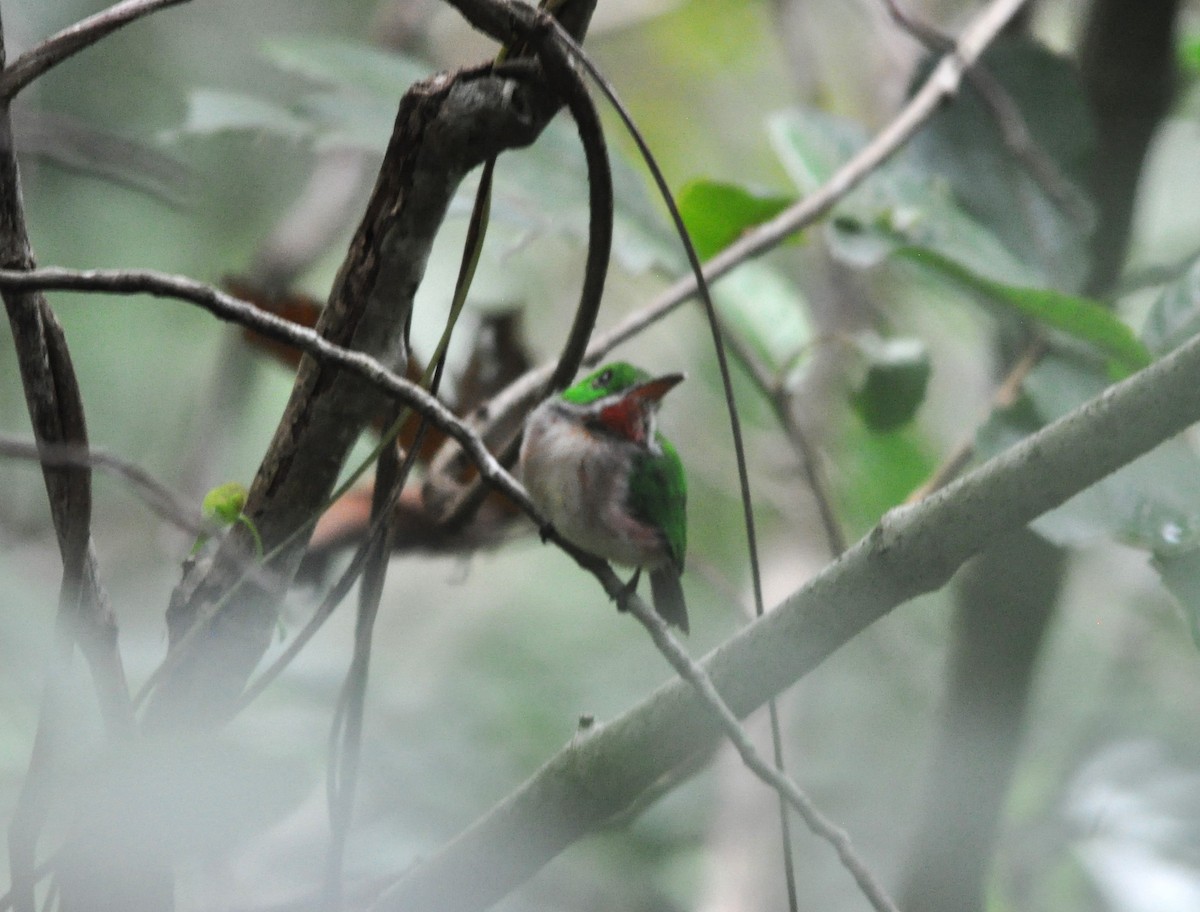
x=224, y=503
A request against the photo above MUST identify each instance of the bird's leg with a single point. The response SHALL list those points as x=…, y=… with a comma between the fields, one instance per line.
x=545, y=530
x=628, y=589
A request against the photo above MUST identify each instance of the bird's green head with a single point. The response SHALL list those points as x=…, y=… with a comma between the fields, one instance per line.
x=621, y=398
x=607, y=381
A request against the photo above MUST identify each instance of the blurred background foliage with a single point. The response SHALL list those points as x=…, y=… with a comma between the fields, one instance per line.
x=184, y=142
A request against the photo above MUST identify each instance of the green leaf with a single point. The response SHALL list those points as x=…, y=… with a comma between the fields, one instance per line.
x=812, y=144
x=352, y=66
x=1037, y=209
x=1081, y=318
x=1174, y=317
x=543, y=191
x=212, y=111
x=1150, y=503
x=900, y=203
x=767, y=311
x=361, y=86
x=1180, y=575
x=960, y=188
x=877, y=472
x=717, y=213
x=1188, y=54
x=897, y=374
x=344, y=120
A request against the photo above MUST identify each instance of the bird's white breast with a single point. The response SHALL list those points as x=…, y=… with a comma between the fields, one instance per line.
x=579, y=480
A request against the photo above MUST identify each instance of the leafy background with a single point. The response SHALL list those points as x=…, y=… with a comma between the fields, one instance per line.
x=484, y=663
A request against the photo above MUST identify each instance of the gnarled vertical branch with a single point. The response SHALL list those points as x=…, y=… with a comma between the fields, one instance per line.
x=446, y=126
x=84, y=616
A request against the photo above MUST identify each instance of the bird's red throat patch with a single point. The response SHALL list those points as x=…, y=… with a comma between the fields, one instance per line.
x=626, y=418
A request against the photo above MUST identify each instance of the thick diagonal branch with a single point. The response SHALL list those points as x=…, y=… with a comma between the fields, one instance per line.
x=914, y=550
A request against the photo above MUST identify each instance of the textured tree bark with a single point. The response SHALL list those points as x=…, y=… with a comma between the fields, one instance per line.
x=120, y=855
x=85, y=616
x=446, y=126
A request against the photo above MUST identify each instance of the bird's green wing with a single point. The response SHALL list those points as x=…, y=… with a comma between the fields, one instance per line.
x=658, y=495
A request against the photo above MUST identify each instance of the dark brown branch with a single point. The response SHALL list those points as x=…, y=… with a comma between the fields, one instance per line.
x=84, y=615
x=446, y=126
x=56, y=412
x=569, y=84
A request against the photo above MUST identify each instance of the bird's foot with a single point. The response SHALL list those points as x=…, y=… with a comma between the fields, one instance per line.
x=628, y=589
x=545, y=530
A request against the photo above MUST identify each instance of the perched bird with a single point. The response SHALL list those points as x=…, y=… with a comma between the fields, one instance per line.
x=595, y=465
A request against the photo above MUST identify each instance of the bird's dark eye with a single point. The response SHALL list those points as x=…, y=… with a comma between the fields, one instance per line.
x=604, y=379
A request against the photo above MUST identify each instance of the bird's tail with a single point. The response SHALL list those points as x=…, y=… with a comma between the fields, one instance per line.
x=668, y=597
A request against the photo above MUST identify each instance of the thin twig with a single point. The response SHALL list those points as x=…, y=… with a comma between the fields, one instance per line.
x=243, y=313
x=932, y=38
x=234, y=310
x=914, y=550
x=73, y=39
x=227, y=307
x=942, y=83
x=779, y=399
x=698, y=678
x=157, y=496
x=734, y=420
x=345, y=732
x=579, y=104
x=820, y=825
x=570, y=87
x=780, y=402
x=345, y=735
x=1007, y=116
